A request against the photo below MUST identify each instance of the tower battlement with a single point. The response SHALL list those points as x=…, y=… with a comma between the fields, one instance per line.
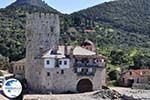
x=42, y=16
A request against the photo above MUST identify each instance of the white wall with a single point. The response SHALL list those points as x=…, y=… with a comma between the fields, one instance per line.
x=51, y=63
x=63, y=65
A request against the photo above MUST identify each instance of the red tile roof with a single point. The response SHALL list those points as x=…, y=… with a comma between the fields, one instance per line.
x=141, y=72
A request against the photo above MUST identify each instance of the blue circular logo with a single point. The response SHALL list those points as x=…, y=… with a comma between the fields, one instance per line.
x=12, y=88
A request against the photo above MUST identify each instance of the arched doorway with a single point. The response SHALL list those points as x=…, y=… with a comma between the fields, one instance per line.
x=84, y=85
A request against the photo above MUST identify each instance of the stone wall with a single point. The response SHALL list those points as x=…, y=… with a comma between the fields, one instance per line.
x=19, y=69
x=141, y=86
x=42, y=34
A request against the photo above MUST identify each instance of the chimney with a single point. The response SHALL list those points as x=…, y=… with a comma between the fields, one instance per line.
x=41, y=51
x=71, y=52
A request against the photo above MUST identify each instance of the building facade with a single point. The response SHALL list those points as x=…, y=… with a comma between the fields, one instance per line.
x=57, y=69
x=138, y=76
x=19, y=69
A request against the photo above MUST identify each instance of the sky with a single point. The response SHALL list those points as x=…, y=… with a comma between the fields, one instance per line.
x=64, y=6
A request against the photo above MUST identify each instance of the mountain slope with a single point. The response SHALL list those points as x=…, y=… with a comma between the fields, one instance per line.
x=38, y=3
x=113, y=27
x=12, y=26
x=31, y=6
x=127, y=15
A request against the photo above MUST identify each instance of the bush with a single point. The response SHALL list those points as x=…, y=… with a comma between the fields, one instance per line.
x=1, y=74
x=113, y=75
x=113, y=83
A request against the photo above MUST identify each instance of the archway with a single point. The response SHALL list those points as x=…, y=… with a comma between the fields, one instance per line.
x=84, y=85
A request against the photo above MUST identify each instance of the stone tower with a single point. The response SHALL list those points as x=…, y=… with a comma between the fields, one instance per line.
x=42, y=34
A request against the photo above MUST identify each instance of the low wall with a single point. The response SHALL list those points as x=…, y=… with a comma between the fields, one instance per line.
x=141, y=86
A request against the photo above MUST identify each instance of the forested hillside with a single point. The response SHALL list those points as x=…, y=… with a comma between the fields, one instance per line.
x=128, y=15
x=12, y=26
x=120, y=29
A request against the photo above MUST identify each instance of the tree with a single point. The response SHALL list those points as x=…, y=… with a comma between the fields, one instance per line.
x=118, y=57
x=141, y=61
x=113, y=75
x=4, y=62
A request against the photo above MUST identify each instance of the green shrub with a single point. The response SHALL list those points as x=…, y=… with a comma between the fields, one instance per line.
x=1, y=74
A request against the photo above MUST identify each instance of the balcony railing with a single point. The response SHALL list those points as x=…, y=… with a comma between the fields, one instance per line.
x=85, y=73
x=89, y=64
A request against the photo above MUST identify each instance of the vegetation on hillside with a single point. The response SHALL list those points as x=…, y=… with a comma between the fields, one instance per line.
x=128, y=15
x=120, y=30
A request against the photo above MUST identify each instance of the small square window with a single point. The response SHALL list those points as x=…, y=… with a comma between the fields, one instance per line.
x=130, y=73
x=52, y=29
x=86, y=70
x=62, y=71
x=65, y=62
x=47, y=62
x=48, y=73
x=60, y=62
x=82, y=70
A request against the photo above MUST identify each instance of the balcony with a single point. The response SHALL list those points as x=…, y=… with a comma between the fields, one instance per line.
x=98, y=65
x=85, y=73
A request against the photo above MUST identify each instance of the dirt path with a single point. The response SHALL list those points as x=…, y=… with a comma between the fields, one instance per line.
x=135, y=93
x=84, y=96
x=3, y=98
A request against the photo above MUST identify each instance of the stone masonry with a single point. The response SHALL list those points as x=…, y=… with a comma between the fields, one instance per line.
x=42, y=34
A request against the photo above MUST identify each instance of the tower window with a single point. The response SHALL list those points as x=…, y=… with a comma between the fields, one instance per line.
x=52, y=29
x=48, y=73
x=62, y=71
x=46, y=41
x=47, y=62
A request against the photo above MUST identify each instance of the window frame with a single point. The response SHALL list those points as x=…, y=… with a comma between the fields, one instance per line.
x=62, y=71
x=60, y=62
x=65, y=62
x=47, y=62
x=48, y=74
